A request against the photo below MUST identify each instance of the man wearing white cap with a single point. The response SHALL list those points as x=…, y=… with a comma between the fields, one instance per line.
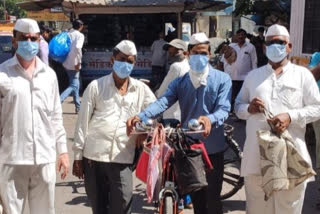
x=103, y=152
x=177, y=50
x=31, y=127
x=203, y=93
x=291, y=94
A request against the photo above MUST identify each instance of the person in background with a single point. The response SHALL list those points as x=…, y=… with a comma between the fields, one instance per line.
x=290, y=93
x=103, y=153
x=177, y=50
x=72, y=64
x=204, y=94
x=314, y=67
x=44, y=47
x=246, y=60
x=159, y=60
x=259, y=43
x=31, y=127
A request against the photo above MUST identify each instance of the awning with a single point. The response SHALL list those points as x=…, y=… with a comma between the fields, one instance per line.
x=35, y=5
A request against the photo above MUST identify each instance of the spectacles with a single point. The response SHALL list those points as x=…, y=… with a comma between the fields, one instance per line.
x=26, y=38
x=278, y=42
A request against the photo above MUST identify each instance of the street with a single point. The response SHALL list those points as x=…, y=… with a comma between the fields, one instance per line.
x=71, y=197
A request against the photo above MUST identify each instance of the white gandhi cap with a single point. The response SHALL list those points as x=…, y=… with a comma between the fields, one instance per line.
x=127, y=47
x=277, y=30
x=198, y=38
x=27, y=26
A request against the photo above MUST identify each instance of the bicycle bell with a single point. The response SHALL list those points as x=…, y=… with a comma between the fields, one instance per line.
x=194, y=125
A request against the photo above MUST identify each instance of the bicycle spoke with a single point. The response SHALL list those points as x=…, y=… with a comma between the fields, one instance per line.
x=233, y=175
x=228, y=161
x=231, y=182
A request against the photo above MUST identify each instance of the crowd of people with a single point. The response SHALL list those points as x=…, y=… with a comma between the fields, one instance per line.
x=32, y=132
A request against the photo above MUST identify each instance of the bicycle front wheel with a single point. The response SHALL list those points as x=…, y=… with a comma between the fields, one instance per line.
x=168, y=207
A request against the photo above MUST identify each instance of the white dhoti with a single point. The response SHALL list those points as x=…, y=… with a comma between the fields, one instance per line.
x=35, y=182
x=282, y=202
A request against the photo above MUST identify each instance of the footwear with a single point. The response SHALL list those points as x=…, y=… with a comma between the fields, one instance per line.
x=188, y=206
x=180, y=211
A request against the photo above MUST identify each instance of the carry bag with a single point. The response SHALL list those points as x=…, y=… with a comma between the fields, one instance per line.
x=59, y=47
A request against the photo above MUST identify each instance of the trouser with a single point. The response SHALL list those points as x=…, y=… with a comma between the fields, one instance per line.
x=73, y=88
x=236, y=87
x=108, y=186
x=37, y=182
x=207, y=200
x=316, y=127
x=281, y=202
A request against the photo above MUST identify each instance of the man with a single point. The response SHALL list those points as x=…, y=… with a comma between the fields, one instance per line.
x=291, y=94
x=203, y=93
x=177, y=50
x=31, y=126
x=44, y=47
x=246, y=61
x=103, y=153
x=72, y=64
x=158, y=61
x=259, y=42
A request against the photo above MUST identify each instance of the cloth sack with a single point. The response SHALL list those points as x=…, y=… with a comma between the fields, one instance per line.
x=282, y=166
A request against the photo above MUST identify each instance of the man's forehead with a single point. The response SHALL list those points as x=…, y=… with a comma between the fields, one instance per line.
x=201, y=46
x=283, y=38
x=28, y=34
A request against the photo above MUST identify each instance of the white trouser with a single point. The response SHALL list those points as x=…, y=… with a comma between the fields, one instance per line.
x=37, y=182
x=282, y=202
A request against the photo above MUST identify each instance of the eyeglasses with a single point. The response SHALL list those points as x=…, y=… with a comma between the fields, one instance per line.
x=26, y=38
x=279, y=42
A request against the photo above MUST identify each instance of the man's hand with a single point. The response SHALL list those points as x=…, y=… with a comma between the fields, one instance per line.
x=63, y=162
x=280, y=122
x=205, y=121
x=256, y=106
x=77, y=169
x=131, y=124
x=77, y=67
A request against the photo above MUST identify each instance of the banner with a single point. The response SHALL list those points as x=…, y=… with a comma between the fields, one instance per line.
x=47, y=15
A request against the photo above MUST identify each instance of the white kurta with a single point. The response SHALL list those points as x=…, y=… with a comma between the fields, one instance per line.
x=177, y=69
x=295, y=91
x=75, y=55
x=100, y=133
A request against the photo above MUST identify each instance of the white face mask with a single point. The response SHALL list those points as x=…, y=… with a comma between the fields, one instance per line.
x=198, y=79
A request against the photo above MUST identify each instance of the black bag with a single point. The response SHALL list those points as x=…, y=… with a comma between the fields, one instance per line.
x=189, y=170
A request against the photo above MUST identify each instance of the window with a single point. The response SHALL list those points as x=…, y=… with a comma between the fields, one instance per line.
x=311, y=32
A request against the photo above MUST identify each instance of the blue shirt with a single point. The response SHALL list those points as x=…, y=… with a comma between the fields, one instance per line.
x=211, y=100
x=315, y=60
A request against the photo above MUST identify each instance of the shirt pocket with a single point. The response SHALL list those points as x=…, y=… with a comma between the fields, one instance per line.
x=291, y=96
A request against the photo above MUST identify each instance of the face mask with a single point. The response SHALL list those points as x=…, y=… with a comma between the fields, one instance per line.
x=198, y=62
x=27, y=49
x=276, y=52
x=122, y=69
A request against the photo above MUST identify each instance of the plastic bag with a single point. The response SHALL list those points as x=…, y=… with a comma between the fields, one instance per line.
x=59, y=47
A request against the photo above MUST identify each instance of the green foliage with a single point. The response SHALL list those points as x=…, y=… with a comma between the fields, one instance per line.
x=12, y=9
x=243, y=7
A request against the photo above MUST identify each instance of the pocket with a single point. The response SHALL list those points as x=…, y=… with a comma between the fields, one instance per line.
x=291, y=96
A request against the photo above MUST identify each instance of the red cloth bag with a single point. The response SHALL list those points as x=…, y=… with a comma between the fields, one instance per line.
x=143, y=163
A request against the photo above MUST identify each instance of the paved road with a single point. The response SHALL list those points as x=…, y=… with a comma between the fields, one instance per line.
x=71, y=197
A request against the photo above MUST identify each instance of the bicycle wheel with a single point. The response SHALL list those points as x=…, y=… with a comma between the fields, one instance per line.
x=168, y=205
x=232, y=181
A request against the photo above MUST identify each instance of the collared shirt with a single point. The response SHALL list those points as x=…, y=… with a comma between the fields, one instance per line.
x=75, y=55
x=31, y=125
x=246, y=61
x=159, y=56
x=100, y=133
x=43, y=51
x=211, y=100
x=177, y=69
x=294, y=91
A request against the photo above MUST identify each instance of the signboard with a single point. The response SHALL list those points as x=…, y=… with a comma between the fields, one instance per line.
x=47, y=15
x=98, y=64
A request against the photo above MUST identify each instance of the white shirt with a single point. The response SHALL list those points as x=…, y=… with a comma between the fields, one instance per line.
x=246, y=61
x=31, y=125
x=75, y=55
x=159, y=56
x=100, y=133
x=295, y=91
x=177, y=69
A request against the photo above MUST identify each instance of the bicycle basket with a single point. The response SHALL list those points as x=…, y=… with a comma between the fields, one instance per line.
x=189, y=170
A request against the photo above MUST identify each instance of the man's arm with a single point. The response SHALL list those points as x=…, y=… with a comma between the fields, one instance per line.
x=254, y=59
x=242, y=101
x=223, y=104
x=173, y=73
x=79, y=45
x=311, y=101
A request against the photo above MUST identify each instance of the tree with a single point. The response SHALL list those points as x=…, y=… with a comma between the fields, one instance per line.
x=12, y=9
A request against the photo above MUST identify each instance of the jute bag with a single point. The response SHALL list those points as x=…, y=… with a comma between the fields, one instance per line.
x=282, y=167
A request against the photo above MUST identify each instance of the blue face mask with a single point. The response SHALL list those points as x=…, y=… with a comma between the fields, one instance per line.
x=27, y=49
x=276, y=52
x=122, y=69
x=198, y=62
